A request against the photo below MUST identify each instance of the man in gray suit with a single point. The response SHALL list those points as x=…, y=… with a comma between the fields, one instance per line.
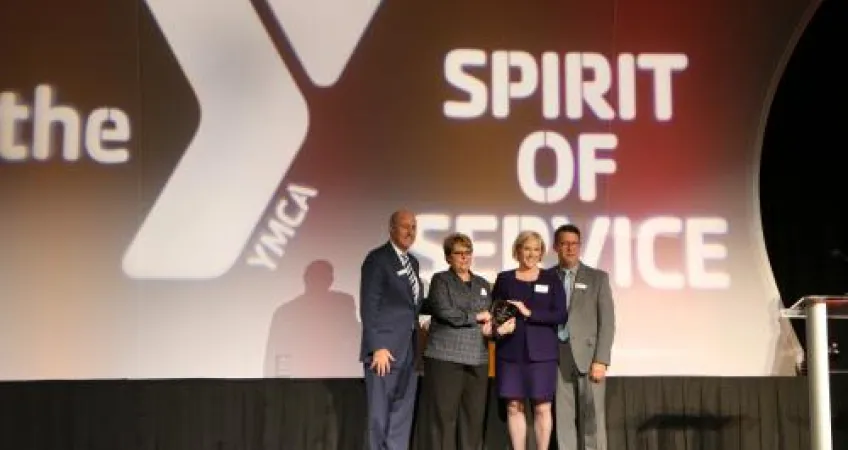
x=585, y=347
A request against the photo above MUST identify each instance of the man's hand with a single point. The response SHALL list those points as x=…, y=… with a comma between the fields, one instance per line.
x=380, y=361
x=521, y=307
x=597, y=372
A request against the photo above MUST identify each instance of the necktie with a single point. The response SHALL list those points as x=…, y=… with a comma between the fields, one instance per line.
x=410, y=275
x=562, y=333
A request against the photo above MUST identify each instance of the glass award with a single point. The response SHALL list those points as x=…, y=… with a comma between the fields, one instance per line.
x=502, y=311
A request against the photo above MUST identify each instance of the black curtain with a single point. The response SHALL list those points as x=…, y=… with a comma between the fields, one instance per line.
x=708, y=413
x=644, y=413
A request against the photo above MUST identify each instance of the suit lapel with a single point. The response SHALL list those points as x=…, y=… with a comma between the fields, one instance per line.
x=394, y=258
x=580, y=276
x=397, y=266
x=457, y=281
x=478, y=286
x=474, y=287
x=584, y=277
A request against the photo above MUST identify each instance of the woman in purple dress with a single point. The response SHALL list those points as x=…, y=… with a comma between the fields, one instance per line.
x=526, y=360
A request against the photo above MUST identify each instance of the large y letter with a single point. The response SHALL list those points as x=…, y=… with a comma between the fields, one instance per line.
x=324, y=54
x=253, y=123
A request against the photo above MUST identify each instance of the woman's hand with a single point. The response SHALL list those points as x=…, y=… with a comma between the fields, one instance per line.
x=521, y=307
x=483, y=317
x=507, y=327
x=486, y=328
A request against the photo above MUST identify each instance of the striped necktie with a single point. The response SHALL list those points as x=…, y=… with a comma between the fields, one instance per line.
x=413, y=280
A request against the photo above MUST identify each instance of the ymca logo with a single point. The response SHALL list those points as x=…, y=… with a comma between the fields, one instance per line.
x=253, y=121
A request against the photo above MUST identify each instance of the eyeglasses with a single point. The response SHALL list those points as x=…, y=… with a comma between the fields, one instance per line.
x=461, y=253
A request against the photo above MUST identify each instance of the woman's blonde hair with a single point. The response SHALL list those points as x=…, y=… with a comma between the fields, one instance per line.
x=523, y=237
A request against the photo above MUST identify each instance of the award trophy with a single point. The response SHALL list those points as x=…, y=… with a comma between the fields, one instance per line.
x=502, y=311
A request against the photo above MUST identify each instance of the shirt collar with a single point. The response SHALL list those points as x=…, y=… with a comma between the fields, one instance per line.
x=399, y=252
x=564, y=270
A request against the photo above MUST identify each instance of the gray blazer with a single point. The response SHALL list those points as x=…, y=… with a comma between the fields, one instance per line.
x=591, y=317
x=454, y=334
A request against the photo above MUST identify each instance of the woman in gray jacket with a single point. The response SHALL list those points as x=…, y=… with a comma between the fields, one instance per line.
x=456, y=360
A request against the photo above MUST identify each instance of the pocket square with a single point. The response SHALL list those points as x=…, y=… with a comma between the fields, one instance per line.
x=580, y=286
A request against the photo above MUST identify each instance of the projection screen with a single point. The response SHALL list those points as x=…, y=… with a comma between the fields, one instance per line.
x=188, y=187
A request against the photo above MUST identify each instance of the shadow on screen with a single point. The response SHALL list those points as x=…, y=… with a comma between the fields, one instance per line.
x=316, y=334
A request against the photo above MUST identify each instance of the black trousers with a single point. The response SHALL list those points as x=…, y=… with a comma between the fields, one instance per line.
x=455, y=398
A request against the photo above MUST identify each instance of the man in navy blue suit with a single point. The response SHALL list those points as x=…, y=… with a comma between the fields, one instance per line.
x=390, y=297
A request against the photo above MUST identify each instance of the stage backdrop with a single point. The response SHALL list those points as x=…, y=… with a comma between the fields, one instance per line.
x=188, y=187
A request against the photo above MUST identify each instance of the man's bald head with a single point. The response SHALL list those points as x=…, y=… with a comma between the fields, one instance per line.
x=402, y=228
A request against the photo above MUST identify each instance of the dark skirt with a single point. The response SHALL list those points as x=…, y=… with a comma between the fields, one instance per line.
x=526, y=379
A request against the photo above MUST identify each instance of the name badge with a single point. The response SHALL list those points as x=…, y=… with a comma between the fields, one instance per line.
x=541, y=288
x=579, y=286
x=401, y=271
x=483, y=291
